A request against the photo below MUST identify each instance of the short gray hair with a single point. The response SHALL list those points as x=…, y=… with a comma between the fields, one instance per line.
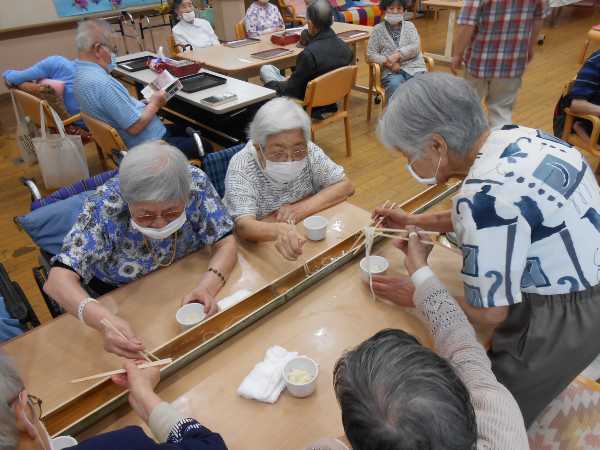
x=278, y=115
x=396, y=394
x=155, y=172
x=433, y=103
x=89, y=32
x=320, y=13
x=10, y=387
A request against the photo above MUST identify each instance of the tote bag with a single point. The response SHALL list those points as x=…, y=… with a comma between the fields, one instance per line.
x=61, y=157
x=25, y=132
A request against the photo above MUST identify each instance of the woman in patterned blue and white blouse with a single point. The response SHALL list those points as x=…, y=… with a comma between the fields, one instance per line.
x=281, y=176
x=527, y=218
x=158, y=210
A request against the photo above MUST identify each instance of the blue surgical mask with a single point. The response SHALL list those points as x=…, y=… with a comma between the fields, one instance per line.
x=113, y=63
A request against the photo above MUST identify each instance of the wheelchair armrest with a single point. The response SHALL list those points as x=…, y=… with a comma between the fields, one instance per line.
x=29, y=183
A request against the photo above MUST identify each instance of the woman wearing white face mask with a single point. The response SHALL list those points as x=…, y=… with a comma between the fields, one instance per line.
x=395, y=45
x=279, y=176
x=191, y=30
x=21, y=427
x=158, y=210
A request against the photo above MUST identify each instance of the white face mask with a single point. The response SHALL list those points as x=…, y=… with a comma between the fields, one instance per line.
x=283, y=172
x=161, y=233
x=394, y=19
x=429, y=181
x=188, y=16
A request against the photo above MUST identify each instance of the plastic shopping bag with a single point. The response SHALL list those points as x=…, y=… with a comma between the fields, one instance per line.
x=61, y=157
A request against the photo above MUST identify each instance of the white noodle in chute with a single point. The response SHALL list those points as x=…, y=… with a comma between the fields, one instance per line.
x=369, y=233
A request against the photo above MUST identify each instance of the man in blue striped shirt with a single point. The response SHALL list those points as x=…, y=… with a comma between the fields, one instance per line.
x=103, y=97
x=585, y=94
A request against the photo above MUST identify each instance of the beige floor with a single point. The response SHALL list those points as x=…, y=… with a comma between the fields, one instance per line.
x=378, y=173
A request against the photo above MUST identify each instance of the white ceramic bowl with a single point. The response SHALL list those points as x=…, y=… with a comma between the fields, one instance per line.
x=316, y=227
x=189, y=315
x=378, y=265
x=60, y=442
x=306, y=364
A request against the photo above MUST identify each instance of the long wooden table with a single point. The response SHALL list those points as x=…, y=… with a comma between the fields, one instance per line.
x=454, y=6
x=238, y=62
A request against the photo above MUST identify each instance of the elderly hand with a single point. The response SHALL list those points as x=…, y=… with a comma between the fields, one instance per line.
x=128, y=347
x=201, y=295
x=396, y=68
x=392, y=218
x=158, y=99
x=397, y=289
x=288, y=213
x=141, y=384
x=289, y=242
x=456, y=64
x=416, y=252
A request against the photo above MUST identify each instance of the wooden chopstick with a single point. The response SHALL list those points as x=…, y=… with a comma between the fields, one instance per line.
x=397, y=230
x=146, y=355
x=361, y=237
x=161, y=362
x=306, y=270
x=402, y=238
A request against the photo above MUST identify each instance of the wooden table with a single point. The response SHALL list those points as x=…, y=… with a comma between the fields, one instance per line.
x=454, y=7
x=238, y=63
x=320, y=323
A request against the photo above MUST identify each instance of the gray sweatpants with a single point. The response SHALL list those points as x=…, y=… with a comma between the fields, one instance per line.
x=545, y=342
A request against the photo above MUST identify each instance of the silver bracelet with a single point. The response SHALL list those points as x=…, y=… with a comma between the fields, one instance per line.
x=82, y=306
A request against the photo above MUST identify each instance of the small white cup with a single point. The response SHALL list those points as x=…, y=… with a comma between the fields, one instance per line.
x=60, y=442
x=378, y=266
x=189, y=315
x=306, y=364
x=316, y=227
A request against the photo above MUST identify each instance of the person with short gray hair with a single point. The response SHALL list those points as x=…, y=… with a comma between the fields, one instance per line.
x=527, y=218
x=324, y=52
x=281, y=176
x=21, y=427
x=156, y=211
x=103, y=97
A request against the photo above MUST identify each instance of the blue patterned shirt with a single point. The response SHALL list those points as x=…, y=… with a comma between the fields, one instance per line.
x=102, y=243
x=528, y=219
x=587, y=84
x=103, y=97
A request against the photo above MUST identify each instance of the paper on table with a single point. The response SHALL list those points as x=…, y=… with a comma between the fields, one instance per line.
x=233, y=299
x=165, y=81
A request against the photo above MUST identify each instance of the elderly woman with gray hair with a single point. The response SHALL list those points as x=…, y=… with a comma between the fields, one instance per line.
x=527, y=218
x=281, y=176
x=21, y=426
x=158, y=210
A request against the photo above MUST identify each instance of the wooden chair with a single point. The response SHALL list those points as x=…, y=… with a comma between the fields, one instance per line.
x=592, y=35
x=327, y=89
x=175, y=48
x=376, y=87
x=30, y=106
x=240, y=30
x=288, y=12
x=106, y=137
x=569, y=135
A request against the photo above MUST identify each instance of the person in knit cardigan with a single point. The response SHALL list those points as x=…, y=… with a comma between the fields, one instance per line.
x=394, y=44
x=395, y=393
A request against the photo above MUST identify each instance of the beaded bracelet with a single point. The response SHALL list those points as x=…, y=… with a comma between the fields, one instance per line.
x=217, y=273
x=82, y=306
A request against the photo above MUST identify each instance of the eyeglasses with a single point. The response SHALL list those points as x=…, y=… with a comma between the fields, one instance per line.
x=149, y=219
x=295, y=154
x=34, y=402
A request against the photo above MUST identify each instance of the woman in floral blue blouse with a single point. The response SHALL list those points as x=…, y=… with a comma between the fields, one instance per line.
x=158, y=210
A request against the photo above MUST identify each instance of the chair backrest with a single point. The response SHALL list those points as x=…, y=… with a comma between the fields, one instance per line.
x=172, y=46
x=105, y=136
x=330, y=87
x=240, y=29
x=429, y=63
x=30, y=105
x=570, y=420
x=215, y=166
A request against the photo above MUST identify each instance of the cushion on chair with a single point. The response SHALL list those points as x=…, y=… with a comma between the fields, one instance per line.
x=48, y=226
x=65, y=192
x=340, y=5
x=215, y=166
x=361, y=15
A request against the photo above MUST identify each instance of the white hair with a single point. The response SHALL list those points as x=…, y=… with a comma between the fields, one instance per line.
x=10, y=387
x=90, y=32
x=431, y=103
x=155, y=172
x=278, y=115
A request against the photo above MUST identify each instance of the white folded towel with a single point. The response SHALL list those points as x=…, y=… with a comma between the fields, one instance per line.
x=265, y=382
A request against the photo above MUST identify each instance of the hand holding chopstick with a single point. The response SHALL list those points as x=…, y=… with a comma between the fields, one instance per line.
x=161, y=362
x=110, y=326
